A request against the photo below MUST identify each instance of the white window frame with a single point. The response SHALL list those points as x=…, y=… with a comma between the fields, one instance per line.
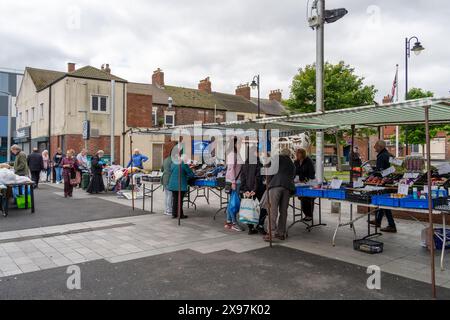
x=169, y=113
x=155, y=113
x=41, y=111
x=99, y=96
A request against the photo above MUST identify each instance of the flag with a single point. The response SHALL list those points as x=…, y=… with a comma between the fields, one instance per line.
x=394, y=86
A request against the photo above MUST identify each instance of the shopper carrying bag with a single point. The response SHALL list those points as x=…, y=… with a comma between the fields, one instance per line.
x=249, y=211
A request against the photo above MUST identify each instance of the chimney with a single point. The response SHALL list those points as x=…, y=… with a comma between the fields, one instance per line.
x=243, y=90
x=205, y=85
x=387, y=99
x=275, y=95
x=70, y=67
x=107, y=69
x=158, y=78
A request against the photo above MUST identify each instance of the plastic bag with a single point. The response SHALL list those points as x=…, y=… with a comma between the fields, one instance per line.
x=235, y=202
x=249, y=211
x=43, y=176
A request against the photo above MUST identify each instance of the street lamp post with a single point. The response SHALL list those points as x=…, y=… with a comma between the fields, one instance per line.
x=417, y=49
x=256, y=85
x=8, y=142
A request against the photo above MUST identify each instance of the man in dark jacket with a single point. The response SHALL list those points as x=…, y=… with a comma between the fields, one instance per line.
x=304, y=169
x=383, y=164
x=36, y=164
x=281, y=186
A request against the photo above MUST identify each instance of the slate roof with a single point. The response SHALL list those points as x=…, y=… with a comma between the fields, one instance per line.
x=194, y=98
x=43, y=78
x=235, y=103
x=270, y=107
x=159, y=96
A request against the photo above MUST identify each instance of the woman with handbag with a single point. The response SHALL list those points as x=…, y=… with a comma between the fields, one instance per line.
x=232, y=176
x=70, y=168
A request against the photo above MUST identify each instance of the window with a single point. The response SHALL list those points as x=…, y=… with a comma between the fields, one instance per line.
x=32, y=114
x=41, y=111
x=20, y=120
x=240, y=117
x=169, y=119
x=155, y=117
x=99, y=104
x=26, y=117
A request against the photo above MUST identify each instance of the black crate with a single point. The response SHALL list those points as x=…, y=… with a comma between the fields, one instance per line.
x=368, y=246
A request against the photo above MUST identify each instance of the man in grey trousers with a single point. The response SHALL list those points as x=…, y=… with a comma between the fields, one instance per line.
x=281, y=187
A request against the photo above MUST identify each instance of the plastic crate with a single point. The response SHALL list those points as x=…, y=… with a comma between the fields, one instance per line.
x=338, y=194
x=411, y=203
x=368, y=246
x=439, y=236
x=20, y=200
x=385, y=200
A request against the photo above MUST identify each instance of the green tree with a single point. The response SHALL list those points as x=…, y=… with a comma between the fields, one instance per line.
x=342, y=89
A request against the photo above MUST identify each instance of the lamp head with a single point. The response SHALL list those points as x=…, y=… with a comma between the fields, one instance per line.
x=417, y=49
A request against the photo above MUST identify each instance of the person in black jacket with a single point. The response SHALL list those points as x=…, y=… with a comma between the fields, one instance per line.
x=383, y=164
x=96, y=184
x=281, y=186
x=305, y=171
x=252, y=186
x=36, y=164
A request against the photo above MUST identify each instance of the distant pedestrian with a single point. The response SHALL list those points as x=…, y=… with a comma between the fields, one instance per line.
x=166, y=170
x=57, y=159
x=82, y=161
x=36, y=164
x=137, y=160
x=70, y=167
x=47, y=165
x=96, y=184
x=20, y=164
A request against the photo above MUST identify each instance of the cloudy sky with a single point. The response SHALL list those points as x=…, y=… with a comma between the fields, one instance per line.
x=230, y=41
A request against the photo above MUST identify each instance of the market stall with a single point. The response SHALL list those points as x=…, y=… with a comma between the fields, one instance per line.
x=19, y=188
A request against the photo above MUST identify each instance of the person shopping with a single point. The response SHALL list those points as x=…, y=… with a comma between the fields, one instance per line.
x=232, y=177
x=57, y=159
x=179, y=190
x=70, y=168
x=281, y=187
x=252, y=186
x=20, y=163
x=47, y=165
x=36, y=164
x=166, y=170
x=96, y=184
x=305, y=171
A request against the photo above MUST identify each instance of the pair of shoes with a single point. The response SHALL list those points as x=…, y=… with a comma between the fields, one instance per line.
x=375, y=223
x=261, y=230
x=168, y=213
x=228, y=225
x=390, y=229
x=236, y=227
x=253, y=231
x=65, y=196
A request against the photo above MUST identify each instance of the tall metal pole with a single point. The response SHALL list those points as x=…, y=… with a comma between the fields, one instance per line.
x=8, y=144
x=259, y=98
x=113, y=104
x=319, y=86
x=406, y=67
x=430, y=204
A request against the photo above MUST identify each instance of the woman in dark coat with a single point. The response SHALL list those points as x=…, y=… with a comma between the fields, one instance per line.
x=70, y=168
x=304, y=170
x=96, y=184
x=252, y=186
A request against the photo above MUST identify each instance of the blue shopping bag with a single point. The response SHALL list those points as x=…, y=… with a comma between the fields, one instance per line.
x=235, y=202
